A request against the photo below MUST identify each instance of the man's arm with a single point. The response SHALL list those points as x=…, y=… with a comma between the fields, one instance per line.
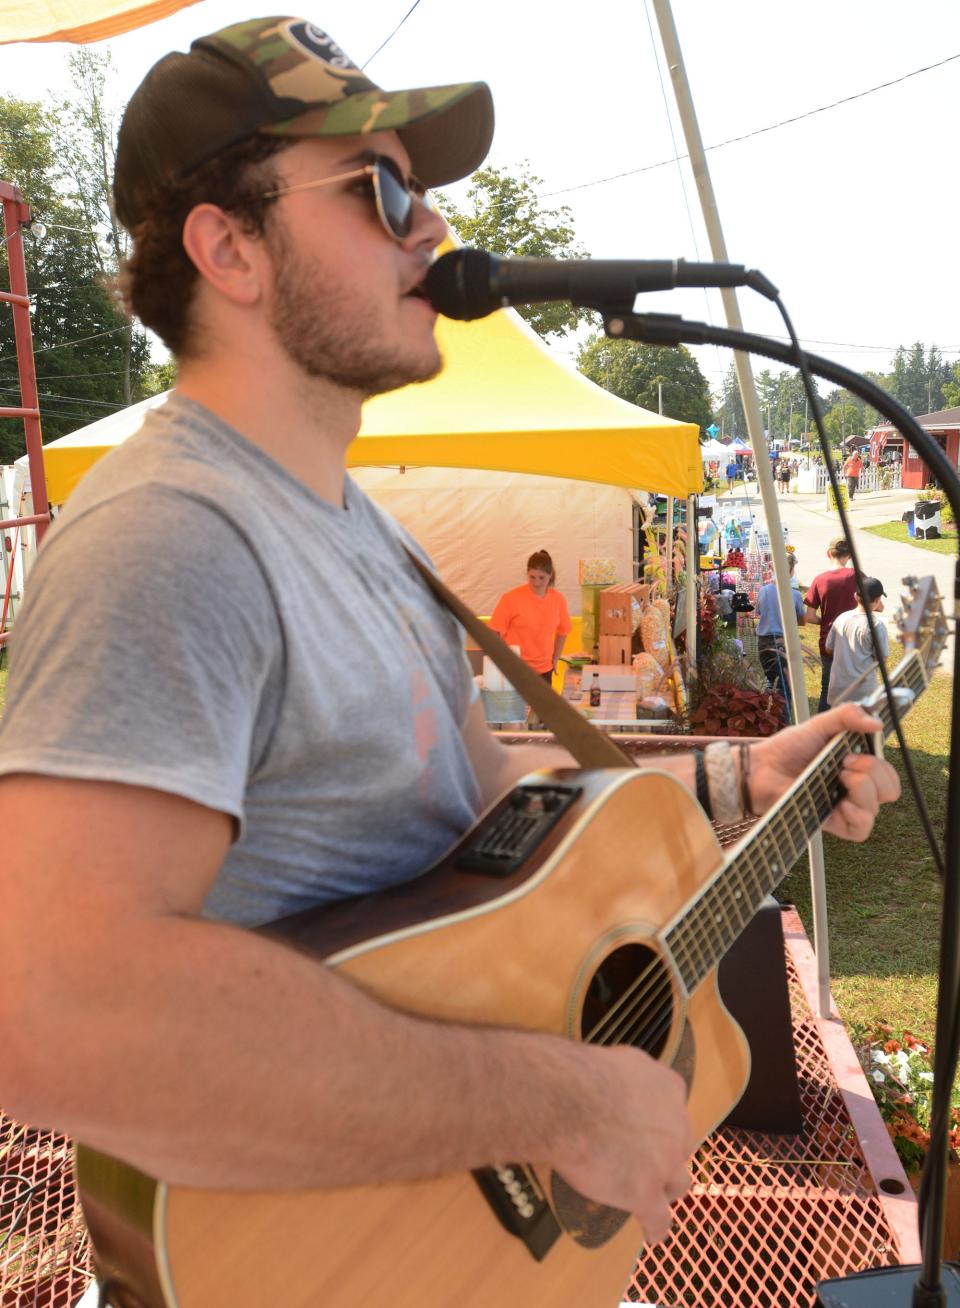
x=209, y=1055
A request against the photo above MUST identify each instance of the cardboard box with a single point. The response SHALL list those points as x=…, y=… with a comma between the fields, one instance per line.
x=598, y=572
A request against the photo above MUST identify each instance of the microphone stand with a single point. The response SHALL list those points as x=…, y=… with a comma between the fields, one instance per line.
x=932, y=1284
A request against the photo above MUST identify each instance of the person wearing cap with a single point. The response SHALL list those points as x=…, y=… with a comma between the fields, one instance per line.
x=296, y=725
x=829, y=594
x=854, y=670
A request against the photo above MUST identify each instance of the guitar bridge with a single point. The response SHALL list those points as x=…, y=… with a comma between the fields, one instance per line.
x=514, y=1194
x=511, y=834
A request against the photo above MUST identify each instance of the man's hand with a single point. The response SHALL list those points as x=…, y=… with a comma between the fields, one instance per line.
x=869, y=781
x=632, y=1148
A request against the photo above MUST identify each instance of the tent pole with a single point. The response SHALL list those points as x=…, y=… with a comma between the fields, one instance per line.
x=751, y=407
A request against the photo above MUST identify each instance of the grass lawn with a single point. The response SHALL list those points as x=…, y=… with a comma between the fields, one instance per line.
x=884, y=896
x=898, y=531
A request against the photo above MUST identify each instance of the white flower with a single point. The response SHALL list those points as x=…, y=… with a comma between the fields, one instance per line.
x=878, y=1076
x=880, y=1057
x=926, y=1076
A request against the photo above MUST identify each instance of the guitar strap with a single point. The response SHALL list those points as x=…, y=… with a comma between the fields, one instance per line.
x=590, y=747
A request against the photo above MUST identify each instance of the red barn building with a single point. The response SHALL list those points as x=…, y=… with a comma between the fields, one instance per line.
x=943, y=426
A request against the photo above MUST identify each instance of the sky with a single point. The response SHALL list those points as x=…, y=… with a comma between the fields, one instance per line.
x=851, y=211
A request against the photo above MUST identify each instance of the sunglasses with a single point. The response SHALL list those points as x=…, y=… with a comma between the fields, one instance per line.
x=393, y=193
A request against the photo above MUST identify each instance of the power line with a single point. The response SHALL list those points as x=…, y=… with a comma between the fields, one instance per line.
x=69, y=399
x=391, y=36
x=43, y=349
x=759, y=131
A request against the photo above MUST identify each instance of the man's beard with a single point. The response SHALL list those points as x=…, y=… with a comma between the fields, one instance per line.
x=328, y=334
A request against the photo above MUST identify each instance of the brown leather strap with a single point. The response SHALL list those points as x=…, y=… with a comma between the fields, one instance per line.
x=590, y=747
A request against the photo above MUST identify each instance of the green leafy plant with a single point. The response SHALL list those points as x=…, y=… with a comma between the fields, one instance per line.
x=899, y=1071
x=730, y=710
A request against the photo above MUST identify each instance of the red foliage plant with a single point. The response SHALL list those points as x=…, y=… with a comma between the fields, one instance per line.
x=728, y=710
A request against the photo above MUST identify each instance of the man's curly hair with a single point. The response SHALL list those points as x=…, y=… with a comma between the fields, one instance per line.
x=158, y=279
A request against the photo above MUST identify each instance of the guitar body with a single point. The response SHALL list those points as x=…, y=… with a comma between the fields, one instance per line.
x=543, y=948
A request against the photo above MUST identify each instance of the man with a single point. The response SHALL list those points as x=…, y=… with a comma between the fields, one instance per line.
x=850, y=644
x=770, y=643
x=733, y=472
x=830, y=594
x=852, y=468
x=258, y=706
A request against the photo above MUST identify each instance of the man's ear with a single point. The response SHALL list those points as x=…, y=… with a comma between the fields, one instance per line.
x=225, y=256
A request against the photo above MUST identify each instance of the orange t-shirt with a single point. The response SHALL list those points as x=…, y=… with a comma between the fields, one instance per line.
x=525, y=619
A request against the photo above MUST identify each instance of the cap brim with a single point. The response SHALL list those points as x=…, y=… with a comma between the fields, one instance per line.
x=446, y=130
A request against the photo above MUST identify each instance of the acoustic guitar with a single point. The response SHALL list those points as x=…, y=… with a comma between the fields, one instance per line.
x=595, y=905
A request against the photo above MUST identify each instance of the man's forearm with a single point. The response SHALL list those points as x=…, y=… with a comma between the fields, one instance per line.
x=224, y=1059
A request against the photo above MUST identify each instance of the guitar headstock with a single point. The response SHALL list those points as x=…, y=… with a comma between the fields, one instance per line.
x=921, y=620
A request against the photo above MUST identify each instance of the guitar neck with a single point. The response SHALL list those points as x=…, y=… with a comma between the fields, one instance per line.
x=700, y=937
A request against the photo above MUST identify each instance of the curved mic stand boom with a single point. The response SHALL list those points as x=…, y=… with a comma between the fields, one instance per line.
x=887, y=1286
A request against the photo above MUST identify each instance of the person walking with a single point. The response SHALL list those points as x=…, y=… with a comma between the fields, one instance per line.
x=830, y=594
x=732, y=471
x=852, y=468
x=854, y=657
x=770, y=635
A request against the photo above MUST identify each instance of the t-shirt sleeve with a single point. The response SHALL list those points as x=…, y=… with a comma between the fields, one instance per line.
x=812, y=598
x=831, y=638
x=143, y=652
x=500, y=617
x=798, y=603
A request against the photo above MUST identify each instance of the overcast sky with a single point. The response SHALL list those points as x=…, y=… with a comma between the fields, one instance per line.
x=852, y=211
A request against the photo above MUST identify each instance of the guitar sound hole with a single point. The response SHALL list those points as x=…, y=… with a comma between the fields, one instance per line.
x=629, y=1001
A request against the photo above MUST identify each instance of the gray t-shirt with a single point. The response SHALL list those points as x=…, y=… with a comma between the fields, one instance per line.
x=848, y=640
x=199, y=622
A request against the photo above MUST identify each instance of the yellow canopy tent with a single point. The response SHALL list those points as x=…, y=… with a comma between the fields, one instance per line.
x=503, y=402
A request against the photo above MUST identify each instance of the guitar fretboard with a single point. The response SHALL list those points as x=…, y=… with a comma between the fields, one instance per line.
x=700, y=938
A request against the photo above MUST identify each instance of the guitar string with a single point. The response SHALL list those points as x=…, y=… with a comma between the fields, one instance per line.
x=607, y=1024
x=631, y=1001
x=638, y=995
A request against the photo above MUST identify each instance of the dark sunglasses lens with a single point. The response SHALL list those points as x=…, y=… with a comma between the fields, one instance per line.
x=396, y=202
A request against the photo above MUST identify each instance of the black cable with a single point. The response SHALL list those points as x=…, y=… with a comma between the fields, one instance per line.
x=906, y=757
x=665, y=329
x=28, y=1198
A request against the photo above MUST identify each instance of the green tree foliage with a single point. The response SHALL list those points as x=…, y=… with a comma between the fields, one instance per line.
x=919, y=377
x=83, y=344
x=951, y=389
x=728, y=407
x=507, y=218
x=638, y=373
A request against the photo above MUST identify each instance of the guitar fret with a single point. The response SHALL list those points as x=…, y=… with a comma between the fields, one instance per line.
x=709, y=925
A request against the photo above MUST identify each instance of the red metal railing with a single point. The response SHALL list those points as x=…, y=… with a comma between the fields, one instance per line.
x=16, y=219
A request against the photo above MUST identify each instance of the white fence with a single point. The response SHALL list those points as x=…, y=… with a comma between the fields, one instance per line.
x=871, y=479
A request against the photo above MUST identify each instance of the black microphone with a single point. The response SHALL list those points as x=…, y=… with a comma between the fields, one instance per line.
x=467, y=284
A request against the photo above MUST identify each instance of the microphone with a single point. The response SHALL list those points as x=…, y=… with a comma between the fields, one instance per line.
x=467, y=284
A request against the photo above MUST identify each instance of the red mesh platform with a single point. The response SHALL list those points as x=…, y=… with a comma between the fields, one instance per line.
x=770, y=1215
x=767, y=1216
x=44, y=1261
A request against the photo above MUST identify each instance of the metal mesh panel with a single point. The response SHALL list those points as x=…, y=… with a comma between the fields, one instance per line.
x=770, y=1215
x=44, y=1259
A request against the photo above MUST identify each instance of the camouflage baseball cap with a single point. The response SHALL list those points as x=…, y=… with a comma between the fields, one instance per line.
x=283, y=76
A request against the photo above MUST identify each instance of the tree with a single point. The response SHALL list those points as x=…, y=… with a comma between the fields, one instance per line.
x=728, y=406
x=951, y=389
x=639, y=373
x=80, y=335
x=507, y=218
x=918, y=379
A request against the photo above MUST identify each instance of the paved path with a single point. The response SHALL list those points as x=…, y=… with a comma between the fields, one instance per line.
x=811, y=526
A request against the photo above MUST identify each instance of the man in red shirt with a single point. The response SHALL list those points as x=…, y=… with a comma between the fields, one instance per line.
x=830, y=594
x=852, y=468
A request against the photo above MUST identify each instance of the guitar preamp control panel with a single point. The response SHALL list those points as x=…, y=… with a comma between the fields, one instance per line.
x=515, y=828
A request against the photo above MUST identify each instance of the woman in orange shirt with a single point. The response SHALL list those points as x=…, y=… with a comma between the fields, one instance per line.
x=535, y=616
